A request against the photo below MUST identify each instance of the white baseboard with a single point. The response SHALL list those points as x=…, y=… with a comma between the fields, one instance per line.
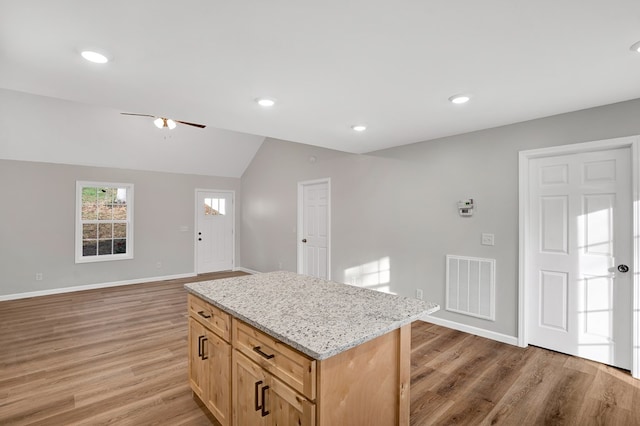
x=472, y=330
x=91, y=287
x=247, y=270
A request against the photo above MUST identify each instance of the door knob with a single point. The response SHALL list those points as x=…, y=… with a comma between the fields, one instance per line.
x=304, y=240
x=623, y=268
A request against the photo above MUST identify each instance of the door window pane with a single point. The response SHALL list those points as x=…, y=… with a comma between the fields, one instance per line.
x=214, y=206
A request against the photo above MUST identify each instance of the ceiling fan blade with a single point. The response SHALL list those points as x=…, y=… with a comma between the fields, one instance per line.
x=202, y=126
x=141, y=115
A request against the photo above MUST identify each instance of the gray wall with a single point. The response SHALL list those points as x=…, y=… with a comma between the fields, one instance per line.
x=400, y=203
x=37, y=225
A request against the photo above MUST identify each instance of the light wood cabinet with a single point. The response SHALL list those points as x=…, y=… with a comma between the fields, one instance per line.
x=210, y=365
x=258, y=380
x=261, y=399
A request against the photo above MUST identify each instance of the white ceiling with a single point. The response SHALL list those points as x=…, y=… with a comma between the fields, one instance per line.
x=330, y=64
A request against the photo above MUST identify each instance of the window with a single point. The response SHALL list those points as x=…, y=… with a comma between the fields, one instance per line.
x=214, y=206
x=104, y=221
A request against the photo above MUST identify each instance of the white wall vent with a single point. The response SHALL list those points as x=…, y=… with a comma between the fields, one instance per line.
x=471, y=286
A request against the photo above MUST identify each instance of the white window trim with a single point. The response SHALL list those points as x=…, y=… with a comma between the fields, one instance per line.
x=78, y=237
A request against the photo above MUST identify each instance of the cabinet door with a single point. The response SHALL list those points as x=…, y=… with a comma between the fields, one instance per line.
x=249, y=391
x=197, y=365
x=217, y=354
x=287, y=407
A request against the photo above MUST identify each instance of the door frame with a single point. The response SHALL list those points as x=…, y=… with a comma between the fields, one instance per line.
x=195, y=226
x=300, y=225
x=632, y=142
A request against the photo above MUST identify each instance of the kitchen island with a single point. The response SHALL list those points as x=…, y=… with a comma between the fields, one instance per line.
x=282, y=348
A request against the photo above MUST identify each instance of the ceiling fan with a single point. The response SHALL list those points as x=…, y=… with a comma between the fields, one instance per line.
x=162, y=122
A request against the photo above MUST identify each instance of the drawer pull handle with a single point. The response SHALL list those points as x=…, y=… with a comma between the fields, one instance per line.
x=201, y=313
x=264, y=355
x=264, y=404
x=257, y=385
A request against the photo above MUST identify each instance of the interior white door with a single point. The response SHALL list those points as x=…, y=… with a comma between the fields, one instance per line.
x=214, y=233
x=314, y=228
x=580, y=216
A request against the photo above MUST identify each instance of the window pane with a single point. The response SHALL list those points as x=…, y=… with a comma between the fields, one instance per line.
x=105, y=247
x=120, y=204
x=119, y=246
x=89, y=247
x=214, y=206
x=89, y=204
x=105, y=231
x=89, y=231
x=105, y=203
x=119, y=211
x=119, y=230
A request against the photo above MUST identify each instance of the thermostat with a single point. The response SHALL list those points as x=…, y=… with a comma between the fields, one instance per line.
x=465, y=207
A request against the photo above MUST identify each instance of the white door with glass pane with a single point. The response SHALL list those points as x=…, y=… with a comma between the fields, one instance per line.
x=314, y=229
x=580, y=255
x=214, y=231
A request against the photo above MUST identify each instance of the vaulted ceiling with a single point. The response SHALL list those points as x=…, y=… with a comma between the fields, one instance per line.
x=391, y=65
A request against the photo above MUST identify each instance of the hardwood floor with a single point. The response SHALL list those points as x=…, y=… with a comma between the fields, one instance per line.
x=119, y=356
x=457, y=378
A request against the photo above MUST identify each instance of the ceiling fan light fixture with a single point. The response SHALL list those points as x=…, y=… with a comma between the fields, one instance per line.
x=159, y=122
x=170, y=123
x=359, y=127
x=95, y=57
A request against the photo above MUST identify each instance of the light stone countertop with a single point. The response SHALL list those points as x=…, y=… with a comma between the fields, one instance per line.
x=317, y=317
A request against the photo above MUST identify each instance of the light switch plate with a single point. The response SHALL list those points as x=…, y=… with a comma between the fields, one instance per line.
x=487, y=239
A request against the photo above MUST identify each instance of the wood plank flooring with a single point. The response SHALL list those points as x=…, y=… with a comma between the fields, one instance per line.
x=118, y=356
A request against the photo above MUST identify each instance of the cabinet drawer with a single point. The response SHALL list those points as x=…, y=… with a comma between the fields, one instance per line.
x=285, y=363
x=210, y=316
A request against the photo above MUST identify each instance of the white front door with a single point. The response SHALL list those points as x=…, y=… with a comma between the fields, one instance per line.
x=214, y=231
x=580, y=240
x=314, y=229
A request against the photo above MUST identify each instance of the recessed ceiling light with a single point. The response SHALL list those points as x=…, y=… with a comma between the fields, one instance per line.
x=95, y=57
x=636, y=47
x=459, y=99
x=265, y=102
x=359, y=127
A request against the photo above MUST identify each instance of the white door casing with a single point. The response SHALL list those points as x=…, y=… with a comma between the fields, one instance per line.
x=314, y=228
x=214, y=239
x=578, y=219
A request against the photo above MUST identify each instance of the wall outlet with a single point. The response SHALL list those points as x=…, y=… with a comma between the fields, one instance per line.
x=419, y=293
x=39, y=276
x=158, y=265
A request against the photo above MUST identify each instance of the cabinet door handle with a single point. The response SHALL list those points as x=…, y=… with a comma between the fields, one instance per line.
x=265, y=355
x=264, y=404
x=203, y=356
x=200, y=346
x=257, y=385
x=201, y=313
